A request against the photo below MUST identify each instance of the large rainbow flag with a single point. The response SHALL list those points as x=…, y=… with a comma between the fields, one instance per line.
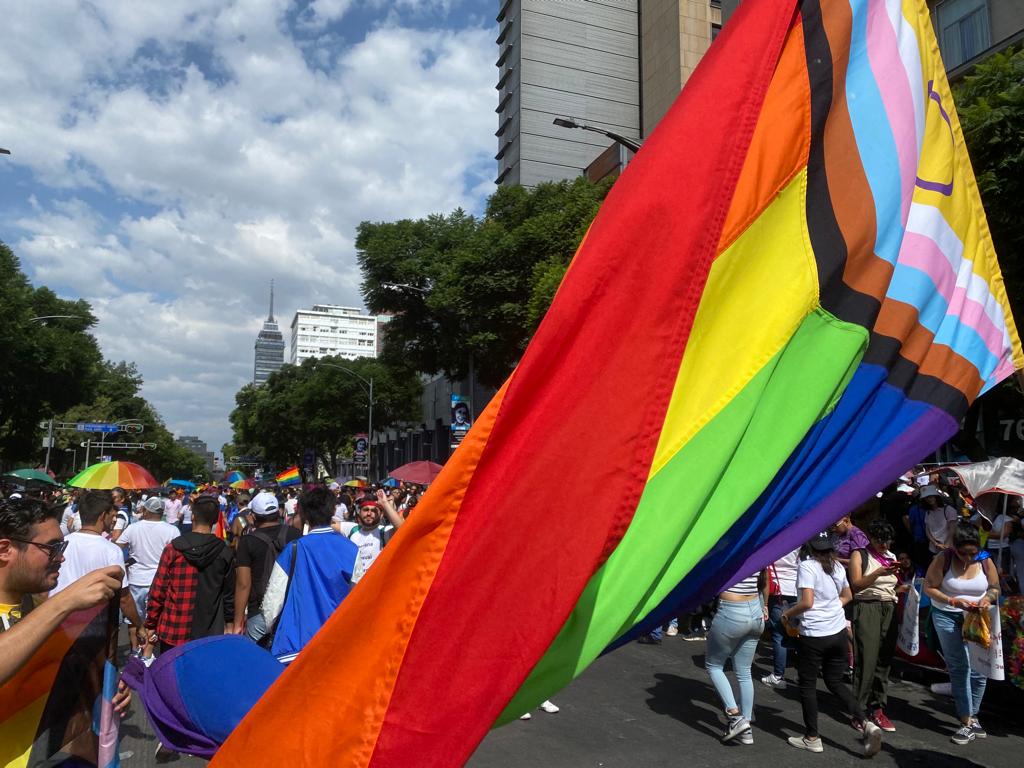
x=788, y=298
x=58, y=707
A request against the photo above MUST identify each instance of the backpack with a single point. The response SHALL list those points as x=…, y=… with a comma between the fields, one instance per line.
x=275, y=546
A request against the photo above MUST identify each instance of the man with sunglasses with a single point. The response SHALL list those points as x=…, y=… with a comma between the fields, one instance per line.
x=31, y=553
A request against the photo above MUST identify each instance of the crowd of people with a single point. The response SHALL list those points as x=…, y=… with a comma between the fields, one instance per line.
x=273, y=565
x=834, y=603
x=181, y=566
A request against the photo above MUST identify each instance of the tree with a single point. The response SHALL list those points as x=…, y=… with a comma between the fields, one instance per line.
x=45, y=366
x=320, y=407
x=118, y=399
x=477, y=288
x=990, y=103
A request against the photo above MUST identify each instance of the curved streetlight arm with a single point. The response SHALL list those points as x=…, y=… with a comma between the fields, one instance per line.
x=364, y=382
x=629, y=144
x=368, y=389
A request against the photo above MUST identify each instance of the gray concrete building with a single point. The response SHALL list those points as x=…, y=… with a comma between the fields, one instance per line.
x=269, y=347
x=615, y=65
x=563, y=58
x=198, y=447
x=969, y=31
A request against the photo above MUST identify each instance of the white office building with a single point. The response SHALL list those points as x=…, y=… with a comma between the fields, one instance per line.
x=328, y=329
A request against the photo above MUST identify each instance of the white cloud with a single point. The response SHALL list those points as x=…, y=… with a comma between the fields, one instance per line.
x=185, y=153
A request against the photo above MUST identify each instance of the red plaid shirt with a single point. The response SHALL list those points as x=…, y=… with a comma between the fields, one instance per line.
x=172, y=598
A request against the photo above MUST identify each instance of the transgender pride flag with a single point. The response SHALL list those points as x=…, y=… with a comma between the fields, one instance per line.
x=788, y=298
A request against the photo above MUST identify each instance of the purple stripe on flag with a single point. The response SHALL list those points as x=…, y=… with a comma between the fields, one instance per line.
x=932, y=429
x=935, y=186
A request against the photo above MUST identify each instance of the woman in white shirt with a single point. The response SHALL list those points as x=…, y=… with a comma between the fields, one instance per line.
x=956, y=582
x=823, y=591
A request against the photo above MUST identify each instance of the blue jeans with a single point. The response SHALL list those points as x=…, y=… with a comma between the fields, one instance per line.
x=968, y=685
x=256, y=627
x=777, y=604
x=734, y=634
x=141, y=597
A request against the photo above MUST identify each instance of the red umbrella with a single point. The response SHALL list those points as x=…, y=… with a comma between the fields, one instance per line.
x=419, y=472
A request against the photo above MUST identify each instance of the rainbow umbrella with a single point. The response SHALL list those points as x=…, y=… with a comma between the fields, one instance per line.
x=233, y=477
x=245, y=484
x=356, y=483
x=111, y=474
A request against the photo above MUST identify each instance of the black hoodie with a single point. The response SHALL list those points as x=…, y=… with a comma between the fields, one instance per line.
x=215, y=590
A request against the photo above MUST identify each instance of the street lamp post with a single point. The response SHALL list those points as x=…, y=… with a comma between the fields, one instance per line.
x=368, y=389
x=74, y=459
x=565, y=122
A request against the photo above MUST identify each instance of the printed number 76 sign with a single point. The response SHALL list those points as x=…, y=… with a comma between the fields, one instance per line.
x=1008, y=428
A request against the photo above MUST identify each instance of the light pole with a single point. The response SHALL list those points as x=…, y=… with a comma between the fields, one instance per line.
x=568, y=122
x=74, y=459
x=368, y=389
x=426, y=292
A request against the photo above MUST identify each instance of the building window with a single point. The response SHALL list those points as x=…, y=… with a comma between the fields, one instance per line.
x=963, y=30
x=715, y=29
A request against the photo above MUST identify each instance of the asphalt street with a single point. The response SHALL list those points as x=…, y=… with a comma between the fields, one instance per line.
x=653, y=706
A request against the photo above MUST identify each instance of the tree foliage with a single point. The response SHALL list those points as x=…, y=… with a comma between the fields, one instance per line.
x=118, y=398
x=316, y=405
x=479, y=287
x=45, y=366
x=990, y=103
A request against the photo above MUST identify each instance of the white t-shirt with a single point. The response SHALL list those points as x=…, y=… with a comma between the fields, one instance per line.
x=340, y=512
x=785, y=572
x=85, y=553
x=826, y=616
x=71, y=521
x=123, y=517
x=145, y=541
x=937, y=522
x=289, y=506
x=370, y=544
x=995, y=538
x=172, y=511
x=186, y=514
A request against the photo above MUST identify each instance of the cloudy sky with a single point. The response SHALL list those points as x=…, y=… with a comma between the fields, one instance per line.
x=170, y=158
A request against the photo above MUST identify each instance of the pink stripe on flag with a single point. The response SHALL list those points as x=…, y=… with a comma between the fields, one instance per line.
x=894, y=84
x=923, y=254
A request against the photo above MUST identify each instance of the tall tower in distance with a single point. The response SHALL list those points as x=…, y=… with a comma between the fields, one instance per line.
x=269, y=346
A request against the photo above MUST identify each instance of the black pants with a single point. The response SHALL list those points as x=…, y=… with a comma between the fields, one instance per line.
x=826, y=655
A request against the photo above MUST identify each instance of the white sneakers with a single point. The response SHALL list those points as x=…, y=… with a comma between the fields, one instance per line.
x=548, y=706
x=774, y=681
x=801, y=742
x=872, y=741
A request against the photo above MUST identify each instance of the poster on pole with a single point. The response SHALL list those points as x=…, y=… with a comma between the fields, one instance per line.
x=461, y=418
x=362, y=443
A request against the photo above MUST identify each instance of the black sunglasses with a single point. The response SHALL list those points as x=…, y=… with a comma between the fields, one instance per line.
x=53, y=551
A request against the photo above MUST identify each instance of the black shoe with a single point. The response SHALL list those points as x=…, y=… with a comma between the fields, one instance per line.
x=648, y=640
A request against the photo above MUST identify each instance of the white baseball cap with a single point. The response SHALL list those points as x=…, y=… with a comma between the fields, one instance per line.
x=154, y=505
x=264, y=504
